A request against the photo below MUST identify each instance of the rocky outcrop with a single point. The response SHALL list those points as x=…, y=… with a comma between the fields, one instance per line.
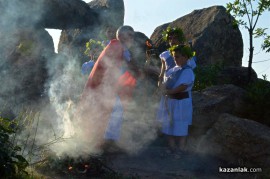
x=213, y=101
x=214, y=38
x=23, y=67
x=111, y=12
x=240, y=141
x=28, y=60
x=218, y=129
x=236, y=76
x=54, y=14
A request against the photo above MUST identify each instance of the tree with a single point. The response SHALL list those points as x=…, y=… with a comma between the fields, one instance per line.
x=247, y=13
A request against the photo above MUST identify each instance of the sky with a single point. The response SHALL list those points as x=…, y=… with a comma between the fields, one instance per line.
x=146, y=15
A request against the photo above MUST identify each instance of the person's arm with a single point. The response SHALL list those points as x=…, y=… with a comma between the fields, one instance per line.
x=186, y=79
x=162, y=71
x=176, y=90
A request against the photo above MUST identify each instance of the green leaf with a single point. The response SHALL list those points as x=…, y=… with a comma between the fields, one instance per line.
x=260, y=32
x=266, y=44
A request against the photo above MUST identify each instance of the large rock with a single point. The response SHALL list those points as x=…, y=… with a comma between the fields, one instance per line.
x=54, y=14
x=68, y=14
x=213, y=101
x=111, y=12
x=213, y=36
x=23, y=67
x=240, y=141
x=73, y=41
x=236, y=76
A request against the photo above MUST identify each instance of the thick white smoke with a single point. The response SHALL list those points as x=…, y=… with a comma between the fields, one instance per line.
x=62, y=126
x=83, y=121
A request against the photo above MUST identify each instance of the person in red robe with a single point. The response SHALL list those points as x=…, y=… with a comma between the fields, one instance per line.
x=109, y=87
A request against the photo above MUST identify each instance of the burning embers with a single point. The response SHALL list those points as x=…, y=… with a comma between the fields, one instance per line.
x=90, y=166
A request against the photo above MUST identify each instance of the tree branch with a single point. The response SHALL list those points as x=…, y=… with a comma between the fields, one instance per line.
x=245, y=6
x=259, y=13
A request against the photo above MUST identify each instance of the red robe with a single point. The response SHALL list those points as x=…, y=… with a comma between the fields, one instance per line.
x=107, y=80
x=107, y=72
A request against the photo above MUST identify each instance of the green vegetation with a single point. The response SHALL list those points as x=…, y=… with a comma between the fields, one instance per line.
x=206, y=76
x=173, y=31
x=257, y=98
x=258, y=105
x=93, y=48
x=22, y=158
x=260, y=32
x=12, y=164
x=247, y=14
x=26, y=47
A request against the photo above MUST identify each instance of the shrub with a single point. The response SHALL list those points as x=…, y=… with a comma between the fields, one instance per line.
x=12, y=165
x=258, y=97
x=93, y=48
x=206, y=76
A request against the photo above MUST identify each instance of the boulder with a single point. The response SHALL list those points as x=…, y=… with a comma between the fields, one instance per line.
x=54, y=14
x=23, y=67
x=111, y=12
x=241, y=142
x=236, y=76
x=214, y=38
x=73, y=40
x=213, y=101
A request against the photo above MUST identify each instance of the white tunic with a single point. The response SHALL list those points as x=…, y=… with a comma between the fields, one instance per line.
x=176, y=114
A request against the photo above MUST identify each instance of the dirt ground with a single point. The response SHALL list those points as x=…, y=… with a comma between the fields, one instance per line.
x=154, y=162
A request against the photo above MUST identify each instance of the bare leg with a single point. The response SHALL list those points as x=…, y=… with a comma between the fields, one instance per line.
x=182, y=140
x=171, y=142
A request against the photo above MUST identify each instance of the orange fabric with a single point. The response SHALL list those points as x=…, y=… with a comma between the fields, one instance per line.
x=126, y=84
x=104, y=83
x=106, y=74
x=113, y=52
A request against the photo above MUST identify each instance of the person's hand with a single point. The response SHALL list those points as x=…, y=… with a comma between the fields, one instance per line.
x=159, y=83
x=160, y=79
x=162, y=88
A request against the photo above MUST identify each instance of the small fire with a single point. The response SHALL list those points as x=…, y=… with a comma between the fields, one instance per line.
x=70, y=168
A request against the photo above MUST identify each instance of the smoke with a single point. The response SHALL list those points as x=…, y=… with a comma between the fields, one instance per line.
x=83, y=121
x=19, y=14
x=65, y=123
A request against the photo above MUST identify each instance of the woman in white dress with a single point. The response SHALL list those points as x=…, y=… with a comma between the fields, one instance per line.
x=177, y=107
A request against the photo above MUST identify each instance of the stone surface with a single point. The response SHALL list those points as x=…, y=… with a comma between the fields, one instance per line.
x=240, y=141
x=154, y=162
x=55, y=14
x=73, y=40
x=213, y=101
x=23, y=67
x=111, y=12
x=236, y=76
x=213, y=36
